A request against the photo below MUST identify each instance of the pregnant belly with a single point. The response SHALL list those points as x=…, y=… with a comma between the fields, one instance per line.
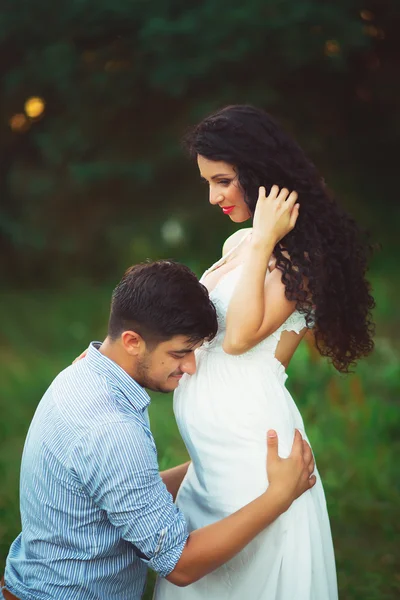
x=223, y=413
x=221, y=487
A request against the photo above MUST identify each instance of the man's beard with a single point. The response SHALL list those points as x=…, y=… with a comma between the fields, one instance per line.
x=144, y=379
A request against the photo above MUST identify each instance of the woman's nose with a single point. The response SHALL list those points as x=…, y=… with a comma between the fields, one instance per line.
x=215, y=198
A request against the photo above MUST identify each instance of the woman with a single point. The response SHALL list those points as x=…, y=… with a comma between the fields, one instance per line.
x=302, y=265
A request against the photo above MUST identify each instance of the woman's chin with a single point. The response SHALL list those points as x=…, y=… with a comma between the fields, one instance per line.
x=239, y=218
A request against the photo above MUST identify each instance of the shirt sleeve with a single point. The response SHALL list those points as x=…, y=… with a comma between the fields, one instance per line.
x=117, y=466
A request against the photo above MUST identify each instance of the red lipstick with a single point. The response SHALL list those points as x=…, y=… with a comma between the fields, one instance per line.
x=227, y=209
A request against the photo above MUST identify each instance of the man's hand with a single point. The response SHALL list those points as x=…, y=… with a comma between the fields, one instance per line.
x=290, y=477
x=208, y=548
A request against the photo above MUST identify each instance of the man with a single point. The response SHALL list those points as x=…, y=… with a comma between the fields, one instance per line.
x=95, y=510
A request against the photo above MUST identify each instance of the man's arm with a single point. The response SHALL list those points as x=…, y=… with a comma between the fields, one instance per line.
x=210, y=547
x=173, y=478
x=122, y=476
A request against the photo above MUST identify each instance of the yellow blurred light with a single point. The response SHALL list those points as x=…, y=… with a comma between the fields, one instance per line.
x=19, y=123
x=34, y=107
x=332, y=47
x=367, y=15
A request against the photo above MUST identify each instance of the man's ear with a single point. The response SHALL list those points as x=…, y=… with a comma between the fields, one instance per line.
x=133, y=343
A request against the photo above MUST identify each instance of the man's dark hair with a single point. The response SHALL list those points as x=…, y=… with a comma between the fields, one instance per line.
x=159, y=300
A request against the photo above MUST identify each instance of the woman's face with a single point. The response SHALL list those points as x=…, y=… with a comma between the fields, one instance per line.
x=225, y=190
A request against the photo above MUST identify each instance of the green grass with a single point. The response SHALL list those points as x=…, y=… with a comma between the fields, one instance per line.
x=353, y=423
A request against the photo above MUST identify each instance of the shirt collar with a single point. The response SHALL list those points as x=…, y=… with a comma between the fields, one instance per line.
x=136, y=395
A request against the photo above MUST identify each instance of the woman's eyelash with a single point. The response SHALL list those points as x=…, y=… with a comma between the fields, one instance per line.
x=221, y=182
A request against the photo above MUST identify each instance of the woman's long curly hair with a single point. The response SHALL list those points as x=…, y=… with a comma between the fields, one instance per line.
x=325, y=273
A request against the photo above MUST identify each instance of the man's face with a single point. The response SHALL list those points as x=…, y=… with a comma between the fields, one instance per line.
x=162, y=368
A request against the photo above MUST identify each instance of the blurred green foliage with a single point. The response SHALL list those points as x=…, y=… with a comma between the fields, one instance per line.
x=98, y=181
x=122, y=80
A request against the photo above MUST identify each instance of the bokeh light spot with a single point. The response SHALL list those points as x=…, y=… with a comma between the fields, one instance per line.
x=332, y=48
x=367, y=15
x=19, y=123
x=34, y=107
x=172, y=232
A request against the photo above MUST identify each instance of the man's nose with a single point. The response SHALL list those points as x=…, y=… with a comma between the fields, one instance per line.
x=189, y=364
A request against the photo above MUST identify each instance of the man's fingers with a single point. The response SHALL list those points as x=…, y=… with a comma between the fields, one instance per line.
x=272, y=443
x=307, y=454
x=312, y=481
x=308, y=457
x=297, y=447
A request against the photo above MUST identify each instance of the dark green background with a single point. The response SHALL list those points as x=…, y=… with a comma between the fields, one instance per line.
x=99, y=182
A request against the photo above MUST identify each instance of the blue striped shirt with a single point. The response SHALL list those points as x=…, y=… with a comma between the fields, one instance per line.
x=95, y=511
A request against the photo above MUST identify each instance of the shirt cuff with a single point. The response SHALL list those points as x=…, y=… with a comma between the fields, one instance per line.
x=171, y=543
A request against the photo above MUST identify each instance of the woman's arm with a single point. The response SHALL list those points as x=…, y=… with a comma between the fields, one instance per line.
x=259, y=306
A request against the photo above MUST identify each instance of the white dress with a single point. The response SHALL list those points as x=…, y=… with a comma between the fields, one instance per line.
x=223, y=413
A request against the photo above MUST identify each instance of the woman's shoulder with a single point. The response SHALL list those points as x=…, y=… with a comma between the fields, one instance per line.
x=234, y=239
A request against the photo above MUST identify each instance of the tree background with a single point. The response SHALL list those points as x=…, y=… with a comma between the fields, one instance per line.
x=96, y=180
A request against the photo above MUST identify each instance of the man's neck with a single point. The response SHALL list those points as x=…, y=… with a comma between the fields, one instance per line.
x=115, y=352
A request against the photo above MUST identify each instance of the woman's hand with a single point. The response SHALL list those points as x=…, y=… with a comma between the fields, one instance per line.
x=81, y=356
x=259, y=306
x=275, y=215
